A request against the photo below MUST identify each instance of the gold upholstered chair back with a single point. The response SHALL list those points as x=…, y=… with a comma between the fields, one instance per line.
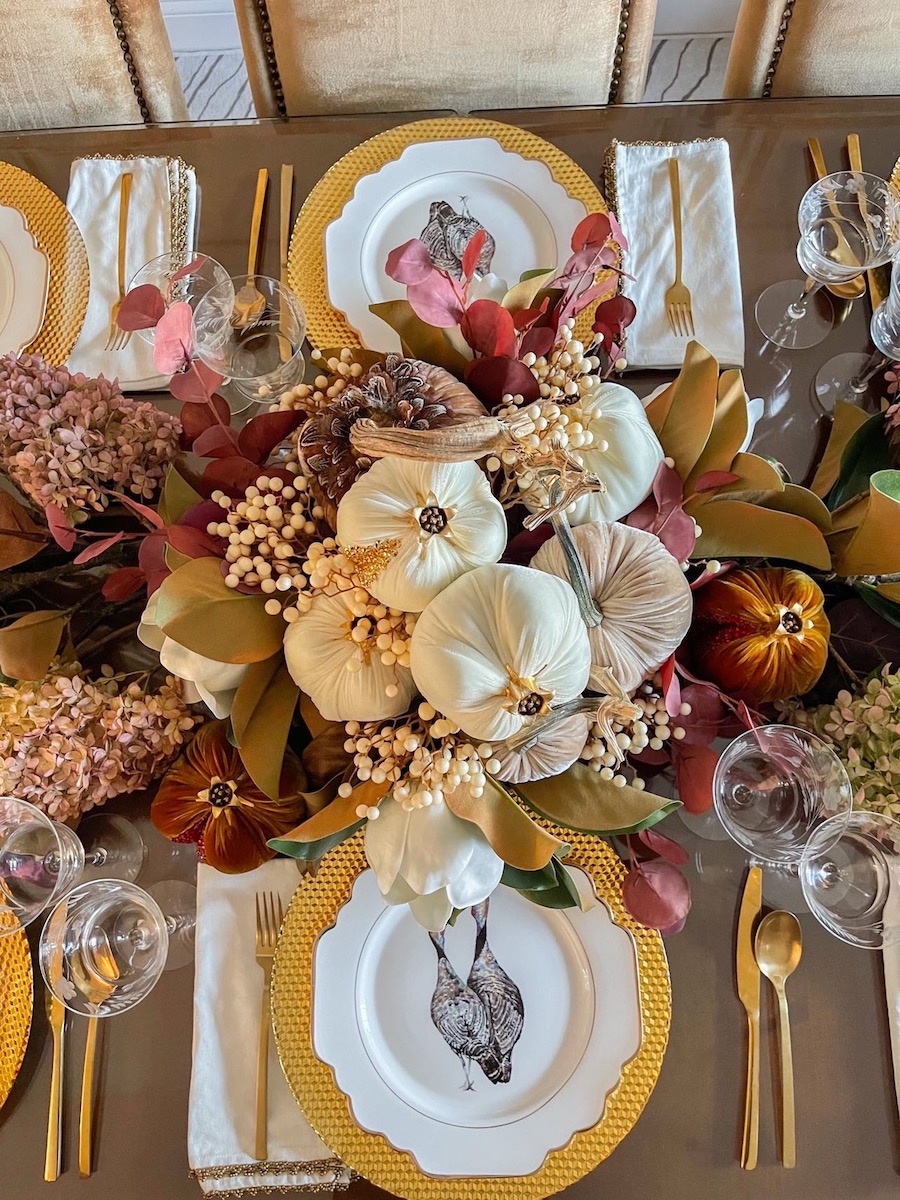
x=345, y=56
x=86, y=62
x=815, y=48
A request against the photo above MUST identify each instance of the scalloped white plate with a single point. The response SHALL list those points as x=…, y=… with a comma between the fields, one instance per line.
x=530, y=216
x=577, y=974
x=24, y=279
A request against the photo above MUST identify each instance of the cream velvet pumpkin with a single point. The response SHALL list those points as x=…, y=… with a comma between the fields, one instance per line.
x=346, y=681
x=434, y=520
x=498, y=647
x=616, y=418
x=553, y=752
x=643, y=597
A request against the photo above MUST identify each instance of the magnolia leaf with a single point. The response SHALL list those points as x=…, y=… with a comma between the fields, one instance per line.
x=866, y=451
x=174, y=558
x=335, y=818
x=198, y=610
x=847, y=419
x=579, y=799
x=522, y=295
x=419, y=339
x=755, y=474
x=177, y=497
x=656, y=894
x=729, y=429
x=28, y=644
x=312, y=718
x=735, y=529
x=261, y=716
x=325, y=757
x=563, y=893
x=683, y=420
x=20, y=537
x=512, y=834
x=802, y=503
x=530, y=881
x=875, y=547
x=313, y=851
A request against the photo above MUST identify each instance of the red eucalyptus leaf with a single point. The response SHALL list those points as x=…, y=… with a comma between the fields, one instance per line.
x=122, y=583
x=489, y=329
x=260, y=436
x=410, y=263
x=664, y=846
x=592, y=232
x=63, y=533
x=189, y=268
x=472, y=253
x=195, y=418
x=707, y=716
x=233, y=475
x=142, y=308
x=142, y=510
x=538, y=341
x=710, y=480
x=694, y=767
x=196, y=384
x=657, y=894
x=611, y=318
x=152, y=559
x=217, y=441
x=195, y=543
x=97, y=548
x=435, y=301
x=493, y=378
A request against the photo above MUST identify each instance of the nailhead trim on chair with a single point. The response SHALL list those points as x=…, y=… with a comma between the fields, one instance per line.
x=779, y=46
x=620, y=51
x=265, y=29
x=119, y=26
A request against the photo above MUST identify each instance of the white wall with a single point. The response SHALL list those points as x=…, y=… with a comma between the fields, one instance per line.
x=696, y=16
x=201, y=25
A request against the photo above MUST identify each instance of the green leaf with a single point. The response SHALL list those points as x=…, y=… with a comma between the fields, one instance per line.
x=579, y=799
x=866, y=452
x=261, y=716
x=28, y=644
x=889, y=609
x=530, y=881
x=177, y=497
x=562, y=894
x=313, y=851
x=535, y=272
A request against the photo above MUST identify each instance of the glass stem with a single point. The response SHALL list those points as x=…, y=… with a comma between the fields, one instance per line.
x=96, y=858
x=798, y=308
x=860, y=382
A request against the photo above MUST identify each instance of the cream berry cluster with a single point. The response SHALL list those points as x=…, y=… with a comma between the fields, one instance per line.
x=651, y=729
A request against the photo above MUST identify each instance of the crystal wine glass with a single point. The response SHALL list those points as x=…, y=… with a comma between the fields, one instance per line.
x=39, y=861
x=250, y=329
x=159, y=273
x=849, y=222
x=850, y=874
x=103, y=947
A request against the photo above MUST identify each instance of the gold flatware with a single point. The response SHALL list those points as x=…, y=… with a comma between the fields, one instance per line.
x=119, y=338
x=267, y=927
x=874, y=277
x=678, y=298
x=284, y=241
x=250, y=302
x=853, y=288
x=95, y=988
x=779, y=944
x=748, y=986
x=56, y=1014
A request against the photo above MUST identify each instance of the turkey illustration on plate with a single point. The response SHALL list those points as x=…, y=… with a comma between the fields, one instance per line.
x=447, y=234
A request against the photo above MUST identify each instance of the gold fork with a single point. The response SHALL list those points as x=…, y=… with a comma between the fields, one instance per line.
x=119, y=338
x=267, y=927
x=678, y=298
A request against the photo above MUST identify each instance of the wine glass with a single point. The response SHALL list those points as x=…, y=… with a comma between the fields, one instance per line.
x=849, y=222
x=850, y=874
x=103, y=947
x=177, y=900
x=159, y=273
x=39, y=861
x=847, y=376
x=250, y=329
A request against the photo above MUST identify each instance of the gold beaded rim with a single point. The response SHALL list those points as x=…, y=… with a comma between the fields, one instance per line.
x=314, y=909
x=326, y=327
x=53, y=228
x=16, y=1003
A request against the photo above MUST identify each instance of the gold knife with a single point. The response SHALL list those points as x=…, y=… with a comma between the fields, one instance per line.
x=877, y=291
x=287, y=188
x=57, y=1015
x=748, y=985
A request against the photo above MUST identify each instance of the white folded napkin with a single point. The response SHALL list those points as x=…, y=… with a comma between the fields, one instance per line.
x=891, y=961
x=710, y=269
x=159, y=187
x=227, y=1001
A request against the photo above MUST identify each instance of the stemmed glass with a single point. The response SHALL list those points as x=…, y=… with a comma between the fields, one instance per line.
x=849, y=223
x=159, y=272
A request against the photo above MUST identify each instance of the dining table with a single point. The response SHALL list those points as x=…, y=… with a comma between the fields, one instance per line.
x=686, y=1143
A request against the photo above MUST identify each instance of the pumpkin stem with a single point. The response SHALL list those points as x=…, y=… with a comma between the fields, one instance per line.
x=590, y=613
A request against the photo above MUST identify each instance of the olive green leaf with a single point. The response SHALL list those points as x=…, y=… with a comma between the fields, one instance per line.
x=683, y=417
x=847, y=419
x=261, y=716
x=866, y=452
x=579, y=799
x=177, y=497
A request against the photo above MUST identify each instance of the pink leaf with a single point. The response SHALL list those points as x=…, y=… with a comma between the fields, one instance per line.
x=174, y=339
x=195, y=543
x=196, y=384
x=493, y=378
x=582, y=300
x=189, y=268
x=63, y=533
x=142, y=510
x=410, y=263
x=216, y=442
x=262, y=434
x=98, y=547
x=746, y=716
x=664, y=846
x=617, y=235
x=694, y=767
x=435, y=301
x=122, y=583
x=489, y=329
x=671, y=686
x=710, y=480
x=142, y=308
x=195, y=418
x=472, y=253
x=656, y=894
x=707, y=716
x=673, y=929
x=592, y=232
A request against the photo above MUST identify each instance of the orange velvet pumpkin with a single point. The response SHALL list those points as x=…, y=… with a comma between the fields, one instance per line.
x=208, y=798
x=760, y=635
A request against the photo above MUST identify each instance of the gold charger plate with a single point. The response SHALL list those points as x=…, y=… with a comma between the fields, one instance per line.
x=314, y=909
x=326, y=327
x=55, y=231
x=16, y=1002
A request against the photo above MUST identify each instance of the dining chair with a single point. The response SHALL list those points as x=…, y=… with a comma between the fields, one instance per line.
x=814, y=48
x=315, y=56
x=86, y=62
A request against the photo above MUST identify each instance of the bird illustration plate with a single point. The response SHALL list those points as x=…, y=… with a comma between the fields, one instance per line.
x=520, y=1041
x=24, y=278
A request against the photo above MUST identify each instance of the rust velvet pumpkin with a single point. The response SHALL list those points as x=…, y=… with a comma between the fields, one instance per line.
x=761, y=635
x=208, y=798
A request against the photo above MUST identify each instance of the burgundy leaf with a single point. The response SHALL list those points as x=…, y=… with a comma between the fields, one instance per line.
x=262, y=434
x=611, y=318
x=217, y=441
x=122, y=583
x=189, y=268
x=664, y=846
x=410, y=263
x=671, y=686
x=493, y=378
x=706, y=719
x=592, y=232
x=194, y=543
x=710, y=480
x=201, y=514
x=694, y=767
x=526, y=317
x=142, y=308
x=538, y=341
x=196, y=384
x=142, y=510
x=435, y=301
x=489, y=329
x=97, y=548
x=63, y=533
x=195, y=418
x=233, y=475
x=152, y=560
x=656, y=894
x=525, y=545
x=667, y=488
x=472, y=253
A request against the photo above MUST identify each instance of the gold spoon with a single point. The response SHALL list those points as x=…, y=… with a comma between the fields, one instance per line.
x=779, y=944
x=249, y=301
x=853, y=288
x=95, y=989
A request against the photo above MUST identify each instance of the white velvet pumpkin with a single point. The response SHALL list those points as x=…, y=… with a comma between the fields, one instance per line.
x=498, y=647
x=615, y=416
x=641, y=592
x=553, y=752
x=441, y=518
x=346, y=682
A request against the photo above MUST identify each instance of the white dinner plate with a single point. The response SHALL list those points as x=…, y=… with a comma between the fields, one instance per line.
x=375, y=972
x=447, y=190
x=24, y=279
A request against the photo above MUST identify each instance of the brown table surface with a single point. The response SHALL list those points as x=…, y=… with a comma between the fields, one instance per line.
x=685, y=1145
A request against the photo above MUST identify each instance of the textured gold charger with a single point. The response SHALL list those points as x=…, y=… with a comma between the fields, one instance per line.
x=328, y=328
x=55, y=231
x=16, y=1002
x=314, y=909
